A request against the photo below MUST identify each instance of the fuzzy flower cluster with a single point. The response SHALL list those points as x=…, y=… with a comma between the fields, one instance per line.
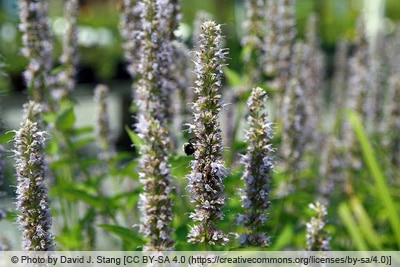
x=153, y=100
x=254, y=23
x=34, y=217
x=37, y=46
x=330, y=170
x=155, y=175
x=294, y=114
x=257, y=173
x=208, y=170
x=358, y=86
x=317, y=236
x=359, y=80
x=393, y=138
x=154, y=89
x=69, y=57
x=254, y=28
x=340, y=74
x=131, y=32
x=286, y=24
x=312, y=74
x=201, y=17
x=279, y=39
x=103, y=125
x=270, y=42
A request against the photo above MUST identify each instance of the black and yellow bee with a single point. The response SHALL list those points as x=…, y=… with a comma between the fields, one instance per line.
x=188, y=147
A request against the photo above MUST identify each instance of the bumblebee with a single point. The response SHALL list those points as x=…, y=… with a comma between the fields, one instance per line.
x=188, y=148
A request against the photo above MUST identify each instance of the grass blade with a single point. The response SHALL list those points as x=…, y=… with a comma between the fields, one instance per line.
x=377, y=174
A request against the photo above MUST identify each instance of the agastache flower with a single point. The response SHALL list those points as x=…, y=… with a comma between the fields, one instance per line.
x=155, y=175
x=34, y=217
x=317, y=236
x=393, y=128
x=359, y=83
x=294, y=117
x=208, y=171
x=69, y=57
x=254, y=28
x=130, y=27
x=340, y=74
x=257, y=173
x=153, y=94
x=37, y=47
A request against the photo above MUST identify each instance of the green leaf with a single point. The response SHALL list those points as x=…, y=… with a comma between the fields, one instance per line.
x=66, y=119
x=284, y=238
x=380, y=179
x=352, y=228
x=7, y=137
x=246, y=52
x=83, y=130
x=233, y=78
x=124, y=233
x=78, y=194
x=83, y=142
x=136, y=140
x=365, y=224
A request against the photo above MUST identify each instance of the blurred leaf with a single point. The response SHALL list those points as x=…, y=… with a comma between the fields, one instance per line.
x=233, y=78
x=377, y=174
x=57, y=70
x=136, y=140
x=126, y=234
x=70, y=238
x=66, y=119
x=7, y=137
x=365, y=224
x=49, y=118
x=83, y=130
x=83, y=142
x=284, y=238
x=352, y=228
x=71, y=193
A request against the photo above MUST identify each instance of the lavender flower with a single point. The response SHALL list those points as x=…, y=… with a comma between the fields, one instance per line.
x=294, y=117
x=393, y=113
x=155, y=60
x=312, y=73
x=208, y=171
x=340, y=74
x=359, y=80
x=254, y=28
x=330, y=169
x=279, y=39
x=37, y=47
x=379, y=70
x=286, y=24
x=32, y=202
x=317, y=235
x=103, y=125
x=69, y=57
x=358, y=85
x=155, y=174
x=131, y=32
x=201, y=17
x=270, y=42
x=257, y=173
x=152, y=93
